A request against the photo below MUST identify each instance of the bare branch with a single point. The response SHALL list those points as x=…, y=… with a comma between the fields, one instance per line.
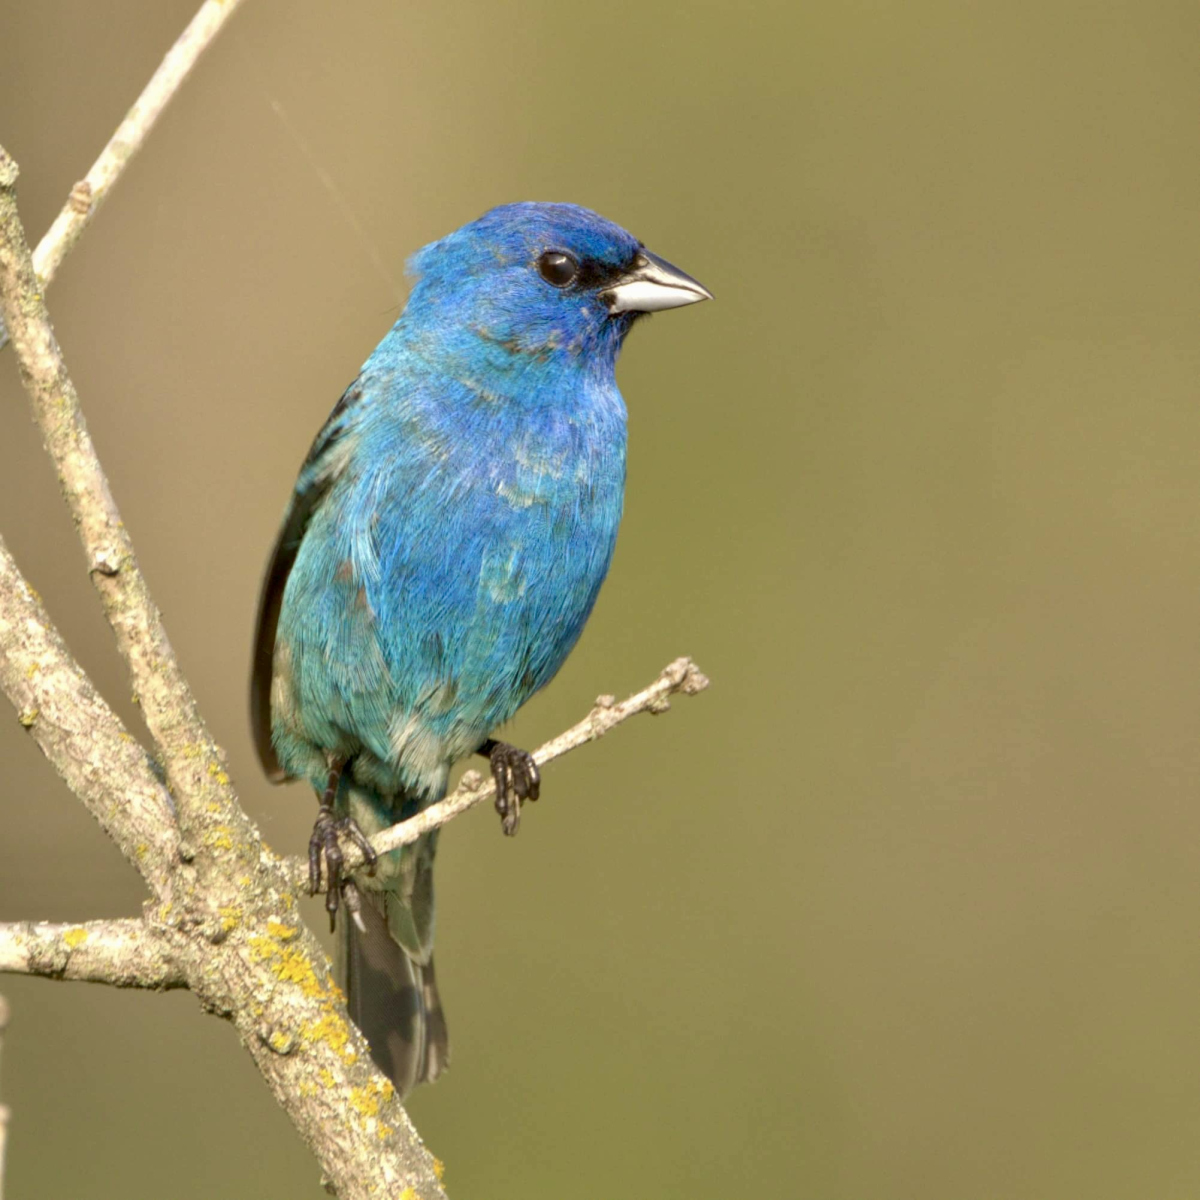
x=194, y=766
x=681, y=676
x=82, y=737
x=90, y=192
x=123, y=953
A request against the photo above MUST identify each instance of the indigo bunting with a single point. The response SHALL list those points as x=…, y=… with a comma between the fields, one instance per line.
x=444, y=545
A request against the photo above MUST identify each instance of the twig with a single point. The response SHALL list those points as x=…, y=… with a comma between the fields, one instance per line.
x=4, y=1112
x=123, y=953
x=90, y=192
x=681, y=676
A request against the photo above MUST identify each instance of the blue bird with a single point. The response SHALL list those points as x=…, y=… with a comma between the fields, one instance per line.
x=444, y=545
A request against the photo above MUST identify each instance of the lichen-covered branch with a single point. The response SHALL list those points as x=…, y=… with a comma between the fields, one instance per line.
x=194, y=766
x=229, y=905
x=124, y=953
x=82, y=737
x=92, y=190
x=680, y=677
x=236, y=939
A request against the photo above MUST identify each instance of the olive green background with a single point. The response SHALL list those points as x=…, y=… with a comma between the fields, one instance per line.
x=906, y=904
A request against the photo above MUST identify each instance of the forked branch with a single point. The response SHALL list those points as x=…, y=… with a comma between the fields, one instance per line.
x=221, y=898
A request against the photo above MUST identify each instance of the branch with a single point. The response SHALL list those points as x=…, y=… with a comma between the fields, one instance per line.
x=681, y=676
x=90, y=192
x=194, y=767
x=239, y=944
x=123, y=953
x=231, y=907
x=82, y=737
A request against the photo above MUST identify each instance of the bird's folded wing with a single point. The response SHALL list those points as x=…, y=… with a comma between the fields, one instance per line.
x=325, y=461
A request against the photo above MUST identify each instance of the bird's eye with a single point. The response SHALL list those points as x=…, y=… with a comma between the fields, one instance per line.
x=557, y=268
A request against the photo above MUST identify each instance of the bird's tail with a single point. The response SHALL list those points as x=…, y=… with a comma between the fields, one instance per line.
x=393, y=999
x=387, y=971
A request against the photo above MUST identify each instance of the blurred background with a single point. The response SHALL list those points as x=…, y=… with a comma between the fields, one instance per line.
x=905, y=905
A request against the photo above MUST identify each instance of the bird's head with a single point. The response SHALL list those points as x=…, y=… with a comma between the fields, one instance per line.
x=529, y=285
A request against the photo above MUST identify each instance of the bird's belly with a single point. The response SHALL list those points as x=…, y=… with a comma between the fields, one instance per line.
x=406, y=655
x=506, y=624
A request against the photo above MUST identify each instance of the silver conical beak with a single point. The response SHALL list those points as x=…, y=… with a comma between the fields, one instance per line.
x=653, y=285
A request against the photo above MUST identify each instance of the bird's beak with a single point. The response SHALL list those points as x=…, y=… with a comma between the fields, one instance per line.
x=652, y=285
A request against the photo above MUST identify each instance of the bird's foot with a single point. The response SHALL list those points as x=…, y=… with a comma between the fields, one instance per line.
x=325, y=851
x=517, y=778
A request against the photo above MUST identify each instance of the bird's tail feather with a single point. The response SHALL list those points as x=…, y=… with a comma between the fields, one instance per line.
x=393, y=998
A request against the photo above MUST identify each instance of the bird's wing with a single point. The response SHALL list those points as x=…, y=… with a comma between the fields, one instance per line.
x=321, y=468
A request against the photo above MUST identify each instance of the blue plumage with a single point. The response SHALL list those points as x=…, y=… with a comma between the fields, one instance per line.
x=446, y=542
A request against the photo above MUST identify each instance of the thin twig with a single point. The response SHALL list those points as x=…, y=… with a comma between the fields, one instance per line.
x=90, y=192
x=123, y=953
x=679, y=677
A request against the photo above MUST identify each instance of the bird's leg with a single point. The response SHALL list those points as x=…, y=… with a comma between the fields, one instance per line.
x=324, y=844
x=517, y=778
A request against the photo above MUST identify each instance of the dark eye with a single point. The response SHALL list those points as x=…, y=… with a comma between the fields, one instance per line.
x=557, y=268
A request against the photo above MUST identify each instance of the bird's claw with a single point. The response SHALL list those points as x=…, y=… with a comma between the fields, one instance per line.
x=517, y=778
x=325, y=851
